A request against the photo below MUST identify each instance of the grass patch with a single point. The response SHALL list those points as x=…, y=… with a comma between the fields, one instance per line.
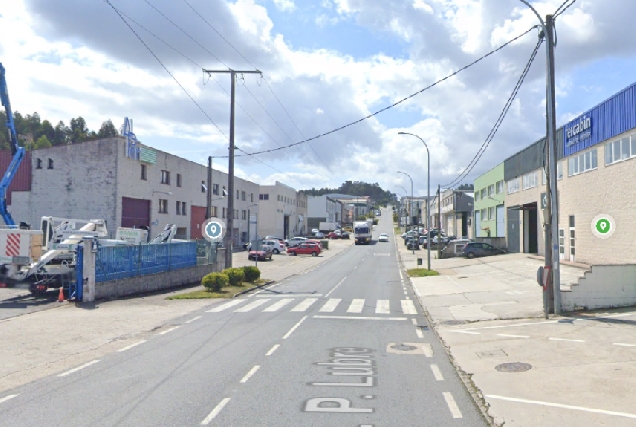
x=226, y=292
x=421, y=272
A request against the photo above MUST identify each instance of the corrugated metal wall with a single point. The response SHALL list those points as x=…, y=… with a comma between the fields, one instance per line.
x=22, y=179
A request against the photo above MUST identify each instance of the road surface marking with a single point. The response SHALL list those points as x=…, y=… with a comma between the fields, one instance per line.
x=436, y=372
x=294, y=328
x=427, y=349
x=11, y=396
x=132, y=345
x=356, y=306
x=226, y=305
x=620, y=344
x=565, y=339
x=289, y=295
x=215, y=411
x=559, y=405
x=251, y=306
x=452, y=405
x=318, y=316
x=168, y=330
x=249, y=374
x=334, y=288
x=193, y=319
x=382, y=307
x=418, y=331
x=414, y=321
x=408, y=307
x=463, y=331
x=330, y=305
x=279, y=304
x=85, y=365
x=513, y=336
x=303, y=306
x=272, y=350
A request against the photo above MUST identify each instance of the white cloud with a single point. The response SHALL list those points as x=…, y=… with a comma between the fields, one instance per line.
x=285, y=5
x=422, y=5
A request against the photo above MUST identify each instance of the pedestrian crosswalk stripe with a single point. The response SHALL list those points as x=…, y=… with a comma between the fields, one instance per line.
x=330, y=305
x=408, y=307
x=251, y=305
x=279, y=304
x=383, y=307
x=305, y=304
x=226, y=305
x=356, y=306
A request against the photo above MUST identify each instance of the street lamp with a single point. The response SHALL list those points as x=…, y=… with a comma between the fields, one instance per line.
x=411, y=204
x=428, y=200
x=402, y=207
x=249, y=236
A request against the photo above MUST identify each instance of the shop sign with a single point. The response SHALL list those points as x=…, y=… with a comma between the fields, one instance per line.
x=578, y=130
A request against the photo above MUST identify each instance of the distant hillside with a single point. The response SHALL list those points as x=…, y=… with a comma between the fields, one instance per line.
x=358, y=188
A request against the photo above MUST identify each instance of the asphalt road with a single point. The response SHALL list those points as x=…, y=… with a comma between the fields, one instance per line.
x=344, y=344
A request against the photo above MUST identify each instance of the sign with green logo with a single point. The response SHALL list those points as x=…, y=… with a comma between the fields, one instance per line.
x=603, y=226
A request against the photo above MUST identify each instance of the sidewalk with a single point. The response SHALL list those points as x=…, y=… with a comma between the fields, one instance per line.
x=574, y=370
x=50, y=341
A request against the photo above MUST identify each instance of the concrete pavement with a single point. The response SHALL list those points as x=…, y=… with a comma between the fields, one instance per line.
x=577, y=369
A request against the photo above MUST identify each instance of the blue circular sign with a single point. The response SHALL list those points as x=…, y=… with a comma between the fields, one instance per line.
x=213, y=229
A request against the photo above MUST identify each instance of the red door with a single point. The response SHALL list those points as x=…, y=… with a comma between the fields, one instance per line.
x=197, y=218
x=135, y=212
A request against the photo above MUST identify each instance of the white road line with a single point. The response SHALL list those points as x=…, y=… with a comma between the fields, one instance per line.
x=278, y=304
x=272, y=350
x=289, y=295
x=452, y=405
x=382, y=307
x=330, y=305
x=418, y=332
x=251, y=306
x=193, y=319
x=436, y=372
x=620, y=344
x=334, y=288
x=513, y=336
x=356, y=306
x=463, y=331
x=294, y=328
x=167, y=330
x=564, y=339
x=303, y=306
x=408, y=307
x=215, y=411
x=427, y=349
x=132, y=345
x=85, y=365
x=318, y=316
x=559, y=405
x=414, y=321
x=11, y=396
x=249, y=374
x=226, y=305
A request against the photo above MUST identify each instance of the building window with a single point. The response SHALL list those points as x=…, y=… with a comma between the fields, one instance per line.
x=163, y=206
x=238, y=194
x=513, y=186
x=223, y=213
x=215, y=189
x=252, y=197
x=178, y=180
x=203, y=187
x=183, y=209
x=165, y=177
x=244, y=213
x=178, y=208
x=491, y=190
x=144, y=173
x=243, y=195
x=491, y=214
x=482, y=196
x=582, y=163
x=38, y=164
x=621, y=149
x=545, y=176
x=50, y=163
x=224, y=192
x=530, y=180
x=214, y=211
x=476, y=195
x=559, y=171
x=483, y=214
x=263, y=197
x=235, y=213
x=500, y=187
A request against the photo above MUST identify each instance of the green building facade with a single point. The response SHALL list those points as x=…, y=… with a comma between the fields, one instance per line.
x=489, y=213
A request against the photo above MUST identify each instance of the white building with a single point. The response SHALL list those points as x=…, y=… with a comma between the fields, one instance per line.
x=322, y=209
x=282, y=211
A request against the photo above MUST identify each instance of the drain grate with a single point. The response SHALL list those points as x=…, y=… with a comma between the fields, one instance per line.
x=403, y=347
x=513, y=367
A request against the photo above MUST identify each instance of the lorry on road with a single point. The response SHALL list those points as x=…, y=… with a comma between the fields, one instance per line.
x=327, y=227
x=362, y=232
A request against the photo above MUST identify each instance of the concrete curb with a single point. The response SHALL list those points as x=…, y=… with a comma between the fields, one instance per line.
x=254, y=288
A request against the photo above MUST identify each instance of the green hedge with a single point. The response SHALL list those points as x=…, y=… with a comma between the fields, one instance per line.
x=251, y=273
x=213, y=282
x=236, y=276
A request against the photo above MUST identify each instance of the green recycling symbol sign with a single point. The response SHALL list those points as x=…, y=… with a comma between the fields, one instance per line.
x=603, y=226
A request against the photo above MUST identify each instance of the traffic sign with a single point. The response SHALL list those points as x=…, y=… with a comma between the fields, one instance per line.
x=213, y=230
x=603, y=226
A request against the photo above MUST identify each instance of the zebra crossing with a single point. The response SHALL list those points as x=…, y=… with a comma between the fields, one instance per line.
x=331, y=305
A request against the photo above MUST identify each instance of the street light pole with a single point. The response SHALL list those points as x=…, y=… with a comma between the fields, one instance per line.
x=411, y=203
x=402, y=207
x=428, y=200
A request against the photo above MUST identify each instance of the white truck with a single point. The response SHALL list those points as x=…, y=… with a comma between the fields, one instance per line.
x=362, y=232
x=327, y=227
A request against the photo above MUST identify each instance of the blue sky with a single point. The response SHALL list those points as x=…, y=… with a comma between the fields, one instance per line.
x=329, y=62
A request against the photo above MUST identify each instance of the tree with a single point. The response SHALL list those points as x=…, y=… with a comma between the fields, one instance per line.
x=79, y=131
x=62, y=134
x=107, y=130
x=42, y=142
x=47, y=130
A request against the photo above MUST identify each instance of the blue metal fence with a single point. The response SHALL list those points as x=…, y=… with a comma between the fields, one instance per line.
x=120, y=262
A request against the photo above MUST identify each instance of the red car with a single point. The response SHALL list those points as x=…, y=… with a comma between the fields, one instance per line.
x=305, y=248
x=333, y=235
x=260, y=255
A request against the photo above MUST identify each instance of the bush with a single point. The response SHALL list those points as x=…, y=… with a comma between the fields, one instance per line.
x=235, y=275
x=251, y=273
x=375, y=221
x=213, y=282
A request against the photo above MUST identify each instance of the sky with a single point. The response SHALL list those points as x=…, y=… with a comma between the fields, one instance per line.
x=325, y=64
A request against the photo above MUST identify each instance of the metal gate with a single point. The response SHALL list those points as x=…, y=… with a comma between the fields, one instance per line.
x=514, y=228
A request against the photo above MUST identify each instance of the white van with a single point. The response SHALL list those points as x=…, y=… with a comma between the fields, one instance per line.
x=274, y=245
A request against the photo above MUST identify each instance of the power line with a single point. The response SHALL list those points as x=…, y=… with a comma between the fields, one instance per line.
x=500, y=119
x=165, y=68
x=562, y=9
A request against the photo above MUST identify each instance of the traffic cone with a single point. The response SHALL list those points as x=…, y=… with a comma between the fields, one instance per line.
x=60, y=297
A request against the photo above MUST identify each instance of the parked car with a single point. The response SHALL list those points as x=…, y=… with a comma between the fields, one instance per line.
x=314, y=231
x=333, y=235
x=280, y=239
x=383, y=237
x=275, y=246
x=308, y=248
x=319, y=235
x=344, y=235
x=413, y=244
x=260, y=255
x=476, y=249
x=295, y=241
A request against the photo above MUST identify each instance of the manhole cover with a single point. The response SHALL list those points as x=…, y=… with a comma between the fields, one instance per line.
x=454, y=322
x=513, y=367
x=403, y=347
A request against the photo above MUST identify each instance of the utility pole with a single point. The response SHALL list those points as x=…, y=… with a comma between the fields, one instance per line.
x=439, y=221
x=230, y=169
x=208, y=209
